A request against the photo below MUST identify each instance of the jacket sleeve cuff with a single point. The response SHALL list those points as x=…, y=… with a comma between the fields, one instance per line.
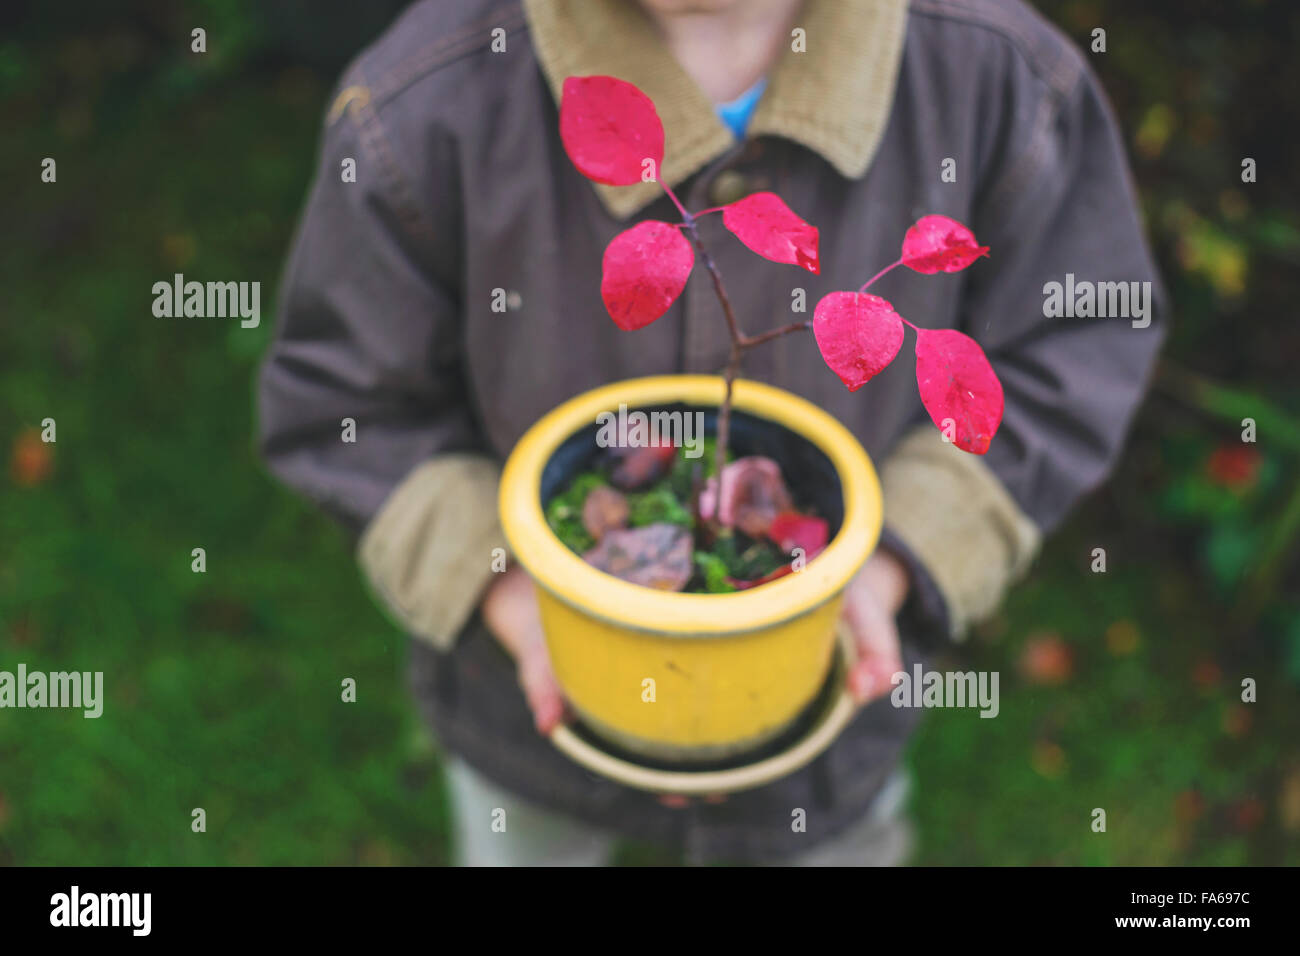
x=954, y=519
x=430, y=551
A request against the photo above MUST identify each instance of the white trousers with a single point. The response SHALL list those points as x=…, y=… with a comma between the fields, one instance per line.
x=493, y=827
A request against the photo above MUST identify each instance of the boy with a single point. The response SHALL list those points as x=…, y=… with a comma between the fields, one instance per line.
x=862, y=115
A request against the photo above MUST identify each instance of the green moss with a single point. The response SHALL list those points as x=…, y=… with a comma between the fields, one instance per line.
x=564, y=512
x=712, y=571
x=658, y=505
x=745, y=558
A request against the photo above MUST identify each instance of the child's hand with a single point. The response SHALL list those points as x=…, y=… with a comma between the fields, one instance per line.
x=871, y=601
x=509, y=610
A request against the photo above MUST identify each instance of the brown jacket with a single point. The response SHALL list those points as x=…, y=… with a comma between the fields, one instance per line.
x=464, y=196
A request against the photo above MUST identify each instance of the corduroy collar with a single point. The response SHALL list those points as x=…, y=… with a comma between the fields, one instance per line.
x=834, y=98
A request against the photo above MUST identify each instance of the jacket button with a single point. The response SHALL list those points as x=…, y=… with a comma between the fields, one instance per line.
x=728, y=187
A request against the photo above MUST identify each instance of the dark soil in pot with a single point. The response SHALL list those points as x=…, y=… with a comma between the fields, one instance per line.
x=644, y=512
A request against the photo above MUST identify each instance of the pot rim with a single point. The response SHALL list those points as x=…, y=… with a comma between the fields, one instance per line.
x=570, y=579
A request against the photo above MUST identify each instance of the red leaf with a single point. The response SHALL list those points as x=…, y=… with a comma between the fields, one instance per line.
x=753, y=494
x=1206, y=673
x=1248, y=813
x=769, y=227
x=644, y=270
x=957, y=382
x=609, y=128
x=1046, y=659
x=939, y=244
x=637, y=467
x=791, y=530
x=858, y=334
x=1234, y=466
x=31, y=460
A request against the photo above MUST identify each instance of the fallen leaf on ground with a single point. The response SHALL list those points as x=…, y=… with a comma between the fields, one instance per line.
x=753, y=494
x=656, y=556
x=31, y=460
x=790, y=530
x=604, y=510
x=636, y=467
x=1046, y=659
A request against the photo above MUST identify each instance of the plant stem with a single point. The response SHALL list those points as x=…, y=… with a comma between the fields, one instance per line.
x=750, y=341
x=686, y=216
x=740, y=343
x=738, y=346
x=724, y=428
x=737, y=337
x=892, y=265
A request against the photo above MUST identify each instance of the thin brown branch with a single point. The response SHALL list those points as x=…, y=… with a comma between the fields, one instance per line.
x=737, y=337
x=740, y=343
x=748, y=342
x=723, y=435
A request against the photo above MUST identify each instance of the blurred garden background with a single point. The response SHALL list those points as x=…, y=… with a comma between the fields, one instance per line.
x=1120, y=691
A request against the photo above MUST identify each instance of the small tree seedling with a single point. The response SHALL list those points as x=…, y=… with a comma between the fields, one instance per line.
x=613, y=134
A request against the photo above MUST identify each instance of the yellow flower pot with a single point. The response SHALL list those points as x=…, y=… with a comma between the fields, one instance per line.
x=688, y=677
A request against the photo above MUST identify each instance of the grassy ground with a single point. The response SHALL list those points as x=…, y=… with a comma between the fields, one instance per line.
x=223, y=687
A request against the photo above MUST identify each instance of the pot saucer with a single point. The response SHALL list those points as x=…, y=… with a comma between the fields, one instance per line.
x=814, y=731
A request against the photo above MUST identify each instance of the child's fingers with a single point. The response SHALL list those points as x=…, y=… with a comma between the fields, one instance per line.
x=548, y=711
x=541, y=689
x=875, y=637
x=869, y=680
